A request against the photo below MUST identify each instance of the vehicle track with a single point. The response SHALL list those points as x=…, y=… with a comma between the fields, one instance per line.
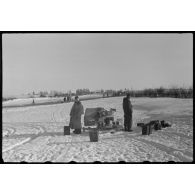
x=171, y=151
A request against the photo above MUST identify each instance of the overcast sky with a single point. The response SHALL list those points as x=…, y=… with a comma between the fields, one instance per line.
x=34, y=62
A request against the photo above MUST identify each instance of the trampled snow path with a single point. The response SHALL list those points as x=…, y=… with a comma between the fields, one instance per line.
x=35, y=134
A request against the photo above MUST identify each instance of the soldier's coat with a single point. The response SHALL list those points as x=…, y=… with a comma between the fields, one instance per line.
x=75, y=115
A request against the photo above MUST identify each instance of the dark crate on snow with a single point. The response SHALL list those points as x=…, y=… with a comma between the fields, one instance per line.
x=146, y=130
x=93, y=135
x=162, y=123
x=66, y=130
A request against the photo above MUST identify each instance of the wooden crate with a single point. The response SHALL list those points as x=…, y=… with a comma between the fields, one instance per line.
x=146, y=129
x=93, y=135
x=66, y=130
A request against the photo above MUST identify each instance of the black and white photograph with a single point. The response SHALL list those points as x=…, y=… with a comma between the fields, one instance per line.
x=108, y=97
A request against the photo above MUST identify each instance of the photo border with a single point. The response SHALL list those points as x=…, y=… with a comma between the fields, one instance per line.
x=62, y=32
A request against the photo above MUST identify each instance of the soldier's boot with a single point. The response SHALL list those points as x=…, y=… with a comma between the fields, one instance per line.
x=129, y=126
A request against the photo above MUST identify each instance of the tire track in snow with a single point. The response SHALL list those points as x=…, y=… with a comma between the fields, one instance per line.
x=15, y=145
x=171, y=151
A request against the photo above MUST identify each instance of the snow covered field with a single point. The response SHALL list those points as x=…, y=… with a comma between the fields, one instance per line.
x=35, y=134
x=43, y=100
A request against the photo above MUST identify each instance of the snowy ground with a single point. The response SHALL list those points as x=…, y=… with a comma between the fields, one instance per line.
x=35, y=134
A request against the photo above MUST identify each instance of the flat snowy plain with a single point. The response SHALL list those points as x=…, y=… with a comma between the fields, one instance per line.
x=35, y=133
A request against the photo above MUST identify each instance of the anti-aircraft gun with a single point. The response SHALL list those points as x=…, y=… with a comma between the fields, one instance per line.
x=101, y=118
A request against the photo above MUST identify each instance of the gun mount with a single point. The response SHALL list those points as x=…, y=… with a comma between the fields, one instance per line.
x=101, y=118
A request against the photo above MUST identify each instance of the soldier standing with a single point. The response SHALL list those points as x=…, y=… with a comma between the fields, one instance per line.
x=128, y=111
x=75, y=116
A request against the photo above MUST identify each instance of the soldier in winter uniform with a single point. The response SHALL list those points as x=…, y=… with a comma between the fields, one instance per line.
x=75, y=116
x=128, y=111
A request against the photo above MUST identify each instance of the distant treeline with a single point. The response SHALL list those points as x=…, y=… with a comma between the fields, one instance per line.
x=9, y=98
x=174, y=92
x=159, y=92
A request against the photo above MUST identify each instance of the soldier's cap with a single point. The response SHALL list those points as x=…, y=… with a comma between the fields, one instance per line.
x=128, y=94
